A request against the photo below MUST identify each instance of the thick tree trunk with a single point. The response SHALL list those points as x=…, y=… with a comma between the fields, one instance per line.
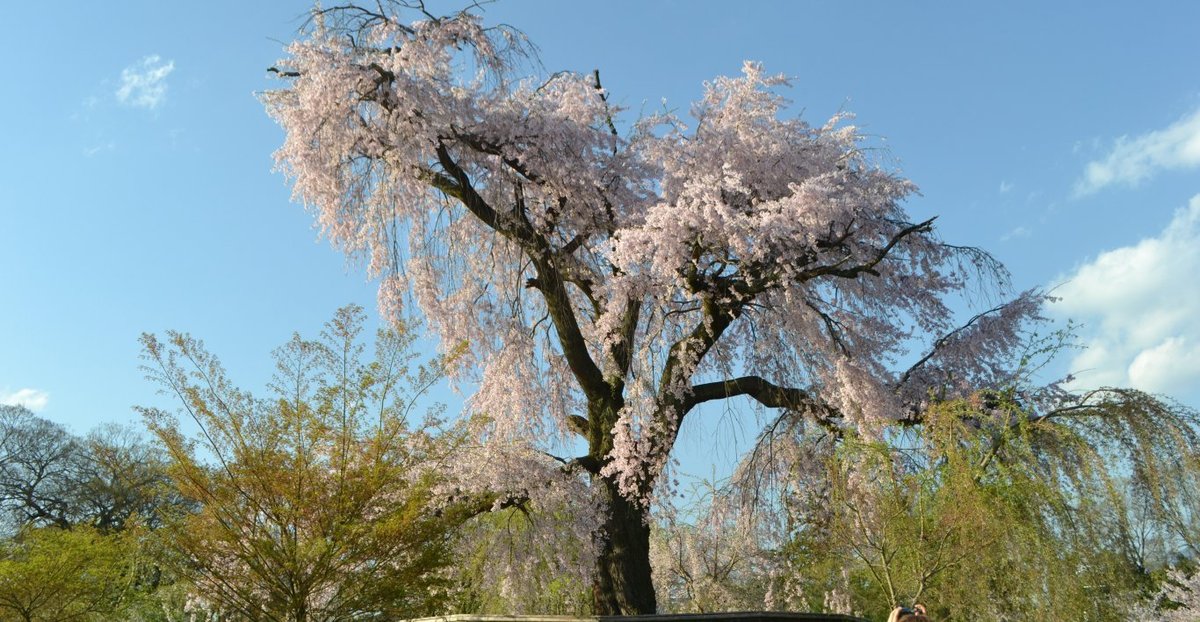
x=623, y=585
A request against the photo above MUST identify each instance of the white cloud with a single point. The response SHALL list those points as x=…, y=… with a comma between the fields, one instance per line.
x=144, y=84
x=1140, y=306
x=33, y=399
x=1134, y=160
x=1005, y=187
x=1019, y=232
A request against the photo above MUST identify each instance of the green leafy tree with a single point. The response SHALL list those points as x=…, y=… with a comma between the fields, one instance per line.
x=111, y=484
x=313, y=504
x=49, y=574
x=987, y=510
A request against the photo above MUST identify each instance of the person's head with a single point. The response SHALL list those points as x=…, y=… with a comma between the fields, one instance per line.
x=916, y=613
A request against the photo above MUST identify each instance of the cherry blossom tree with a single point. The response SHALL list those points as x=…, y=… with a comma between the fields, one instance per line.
x=612, y=275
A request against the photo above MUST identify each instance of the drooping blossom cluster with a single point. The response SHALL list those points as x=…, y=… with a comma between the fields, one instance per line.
x=710, y=556
x=543, y=490
x=1178, y=600
x=583, y=257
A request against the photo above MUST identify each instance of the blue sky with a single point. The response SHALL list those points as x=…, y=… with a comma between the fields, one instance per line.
x=136, y=191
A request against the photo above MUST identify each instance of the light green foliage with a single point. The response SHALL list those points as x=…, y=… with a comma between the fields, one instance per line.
x=313, y=504
x=485, y=558
x=98, y=493
x=986, y=511
x=49, y=574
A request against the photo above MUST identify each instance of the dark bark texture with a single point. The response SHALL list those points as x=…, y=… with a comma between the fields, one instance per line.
x=623, y=585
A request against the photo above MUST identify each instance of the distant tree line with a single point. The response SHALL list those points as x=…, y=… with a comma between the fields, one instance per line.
x=77, y=514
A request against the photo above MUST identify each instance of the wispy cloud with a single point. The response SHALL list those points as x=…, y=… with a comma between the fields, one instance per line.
x=1005, y=187
x=33, y=399
x=144, y=83
x=1019, y=232
x=96, y=149
x=1141, y=311
x=1134, y=160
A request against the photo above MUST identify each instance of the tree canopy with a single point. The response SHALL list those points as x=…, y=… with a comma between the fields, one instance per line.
x=48, y=573
x=610, y=275
x=609, y=282
x=106, y=479
x=314, y=503
x=988, y=510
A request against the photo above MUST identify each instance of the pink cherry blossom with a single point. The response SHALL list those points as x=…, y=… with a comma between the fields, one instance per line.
x=609, y=275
